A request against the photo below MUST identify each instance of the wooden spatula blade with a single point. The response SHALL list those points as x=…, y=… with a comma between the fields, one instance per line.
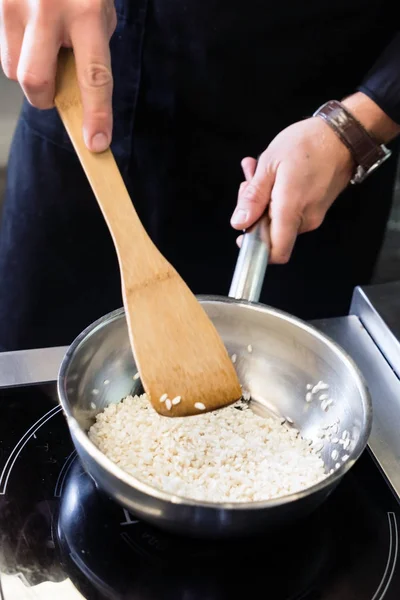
x=183, y=364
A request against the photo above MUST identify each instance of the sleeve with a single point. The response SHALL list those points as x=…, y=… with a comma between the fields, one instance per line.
x=382, y=82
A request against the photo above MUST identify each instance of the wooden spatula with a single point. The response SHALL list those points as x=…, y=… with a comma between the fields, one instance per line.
x=183, y=364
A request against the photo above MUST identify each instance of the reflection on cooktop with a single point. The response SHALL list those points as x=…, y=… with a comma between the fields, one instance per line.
x=118, y=553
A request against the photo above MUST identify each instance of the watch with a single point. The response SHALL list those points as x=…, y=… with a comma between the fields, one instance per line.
x=368, y=154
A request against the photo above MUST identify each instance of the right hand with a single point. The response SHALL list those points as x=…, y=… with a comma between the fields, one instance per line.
x=31, y=34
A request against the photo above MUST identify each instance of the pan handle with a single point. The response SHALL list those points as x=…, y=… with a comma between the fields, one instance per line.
x=248, y=277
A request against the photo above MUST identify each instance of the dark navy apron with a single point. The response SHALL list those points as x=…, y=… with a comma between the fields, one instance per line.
x=198, y=86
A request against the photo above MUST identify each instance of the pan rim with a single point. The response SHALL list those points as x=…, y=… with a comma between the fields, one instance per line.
x=147, y=489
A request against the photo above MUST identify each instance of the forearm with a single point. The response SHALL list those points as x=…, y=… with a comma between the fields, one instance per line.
x=372, y=117
x=377, y=103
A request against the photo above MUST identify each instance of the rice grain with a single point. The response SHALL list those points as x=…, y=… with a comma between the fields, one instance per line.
x=229, y=455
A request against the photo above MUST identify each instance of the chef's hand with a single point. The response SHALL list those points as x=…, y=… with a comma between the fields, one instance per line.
x=31, y=34
x=299, y=176
x=302, y=172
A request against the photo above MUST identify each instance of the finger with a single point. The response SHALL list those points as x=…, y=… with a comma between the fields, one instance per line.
x=283, y=232
x=311, y=220
x=285, y=222
x=242, y=186
x=239, y=240
x=11, y=35
x=38, y=63
x=93, y=66
x=249, y=165
x=110, y=17
x=254, y=198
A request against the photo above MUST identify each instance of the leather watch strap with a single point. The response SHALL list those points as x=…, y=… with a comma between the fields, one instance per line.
x=366, y=151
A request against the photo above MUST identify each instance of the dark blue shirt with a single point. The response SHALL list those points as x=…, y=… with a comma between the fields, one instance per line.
x=382, y=83
x=276, y=61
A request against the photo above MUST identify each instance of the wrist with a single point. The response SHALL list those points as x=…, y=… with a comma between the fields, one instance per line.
x=367, y=151
x=372, y=117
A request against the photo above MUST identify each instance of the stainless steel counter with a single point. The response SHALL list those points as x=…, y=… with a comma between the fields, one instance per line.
x=370, y=334
x=378, y=308
x=384, y=387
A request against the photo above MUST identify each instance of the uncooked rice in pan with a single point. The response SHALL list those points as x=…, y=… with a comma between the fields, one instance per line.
x=229, y=455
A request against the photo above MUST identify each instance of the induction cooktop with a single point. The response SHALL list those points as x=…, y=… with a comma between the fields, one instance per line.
x=62, y=538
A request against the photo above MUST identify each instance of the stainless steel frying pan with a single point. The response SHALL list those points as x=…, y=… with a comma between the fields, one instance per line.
x=287, y=355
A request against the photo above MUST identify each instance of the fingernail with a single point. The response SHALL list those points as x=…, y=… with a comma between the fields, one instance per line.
x=99, y=142
x=240, y=216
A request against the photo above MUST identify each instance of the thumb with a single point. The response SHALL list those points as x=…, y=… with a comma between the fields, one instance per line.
x=253, y=198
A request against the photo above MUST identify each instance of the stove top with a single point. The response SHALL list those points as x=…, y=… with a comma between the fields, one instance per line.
x=63, y=539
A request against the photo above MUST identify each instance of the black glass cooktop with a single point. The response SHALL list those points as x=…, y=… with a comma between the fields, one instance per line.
x=56, y=525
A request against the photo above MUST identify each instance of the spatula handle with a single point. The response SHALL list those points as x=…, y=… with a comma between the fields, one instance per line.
x=138, y=256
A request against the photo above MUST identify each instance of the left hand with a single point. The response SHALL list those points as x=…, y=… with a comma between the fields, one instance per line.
x=299, y=176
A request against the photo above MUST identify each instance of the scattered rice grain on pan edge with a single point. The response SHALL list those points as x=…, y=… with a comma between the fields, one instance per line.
x=228, y=455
